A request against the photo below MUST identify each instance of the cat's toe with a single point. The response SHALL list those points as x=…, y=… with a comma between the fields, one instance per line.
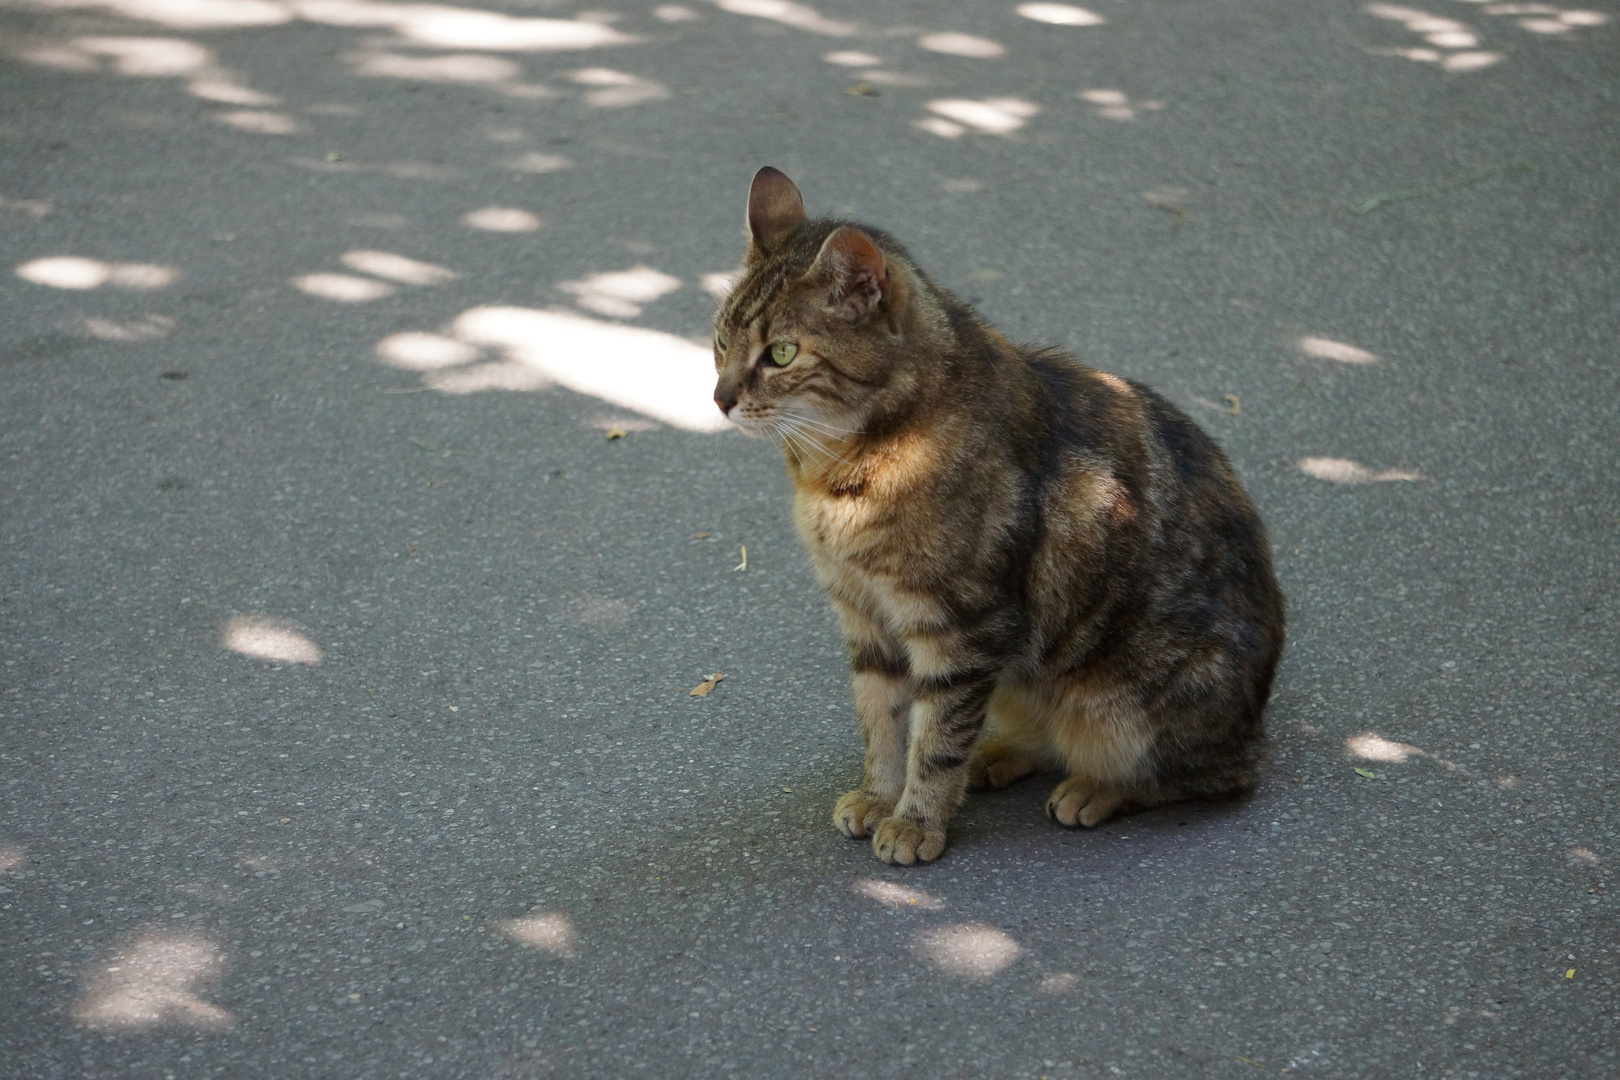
x=858, y=812
x=1081, y=802
x=904, y=842
x=997, y=765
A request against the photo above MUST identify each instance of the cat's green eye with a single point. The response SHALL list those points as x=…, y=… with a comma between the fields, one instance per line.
x=720, y=341
x=783, y=352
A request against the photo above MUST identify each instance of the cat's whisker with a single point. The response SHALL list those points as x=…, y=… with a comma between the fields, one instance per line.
x=811, y=436
x=822, y=425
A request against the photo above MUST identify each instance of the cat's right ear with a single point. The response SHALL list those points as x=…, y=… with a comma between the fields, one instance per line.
x=775, y=209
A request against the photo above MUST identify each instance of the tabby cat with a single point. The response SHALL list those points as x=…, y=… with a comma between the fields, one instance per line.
x=1005, y=533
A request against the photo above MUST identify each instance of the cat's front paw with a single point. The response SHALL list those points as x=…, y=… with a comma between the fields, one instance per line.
x=1079, y=801
x=898, y=840
x=858, y=813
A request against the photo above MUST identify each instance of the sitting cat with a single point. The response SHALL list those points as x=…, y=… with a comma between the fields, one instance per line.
x=1003, y=531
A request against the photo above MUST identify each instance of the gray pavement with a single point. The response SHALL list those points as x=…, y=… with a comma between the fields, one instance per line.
x=344, y=658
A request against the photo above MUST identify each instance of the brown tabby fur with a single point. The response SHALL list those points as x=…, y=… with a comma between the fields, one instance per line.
x=1002, y=531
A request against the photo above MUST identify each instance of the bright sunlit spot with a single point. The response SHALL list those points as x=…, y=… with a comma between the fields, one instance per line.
x=972, y=950
x=1344, y=471
x=1371, y=747
x=898, y=896
x=344, y=288
x=852, y=59
x=1584, y=856
x=77, y=272
x=146, y=328
x=617, y=89
x=1328, y=349
x=954, y=44
x=993, y=116
x=503, y=219
x=416, y=351
x=621, y=293
x=473, y=68
x=265, y=638
x=1441, y=34
x=398, y=268
x=658, y=375
x=156, y=980
x=549, y=931
x=797, y=16
x=1060, y=14
x=1059, y=982
x=539, y=163
x=259, y=122
x=1116, y=104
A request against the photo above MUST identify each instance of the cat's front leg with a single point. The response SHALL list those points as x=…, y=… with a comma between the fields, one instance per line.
x=946, y=719
x=882, y=703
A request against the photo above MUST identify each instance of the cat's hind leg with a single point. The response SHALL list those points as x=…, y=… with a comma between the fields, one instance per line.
x=1014, y=745
x=1106, y=740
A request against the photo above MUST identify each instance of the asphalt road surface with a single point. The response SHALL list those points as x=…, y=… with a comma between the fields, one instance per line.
x=365, y=525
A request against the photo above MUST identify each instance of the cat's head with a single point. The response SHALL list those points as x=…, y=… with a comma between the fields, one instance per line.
x=804, y=344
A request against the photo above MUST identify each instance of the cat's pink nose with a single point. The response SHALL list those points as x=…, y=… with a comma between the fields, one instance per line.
x=725, y=396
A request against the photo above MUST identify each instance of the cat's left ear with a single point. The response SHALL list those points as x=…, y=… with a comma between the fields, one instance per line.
x=857, y=270
x=775, y=209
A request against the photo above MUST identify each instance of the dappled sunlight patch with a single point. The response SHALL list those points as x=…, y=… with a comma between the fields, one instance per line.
x=474, y=68
x=1371, y=747
x=407, y=271
x=501, y=219
x=1451, y=44
x=265, y=638
x=155, y=980
x=1116, y=104
x=1344, y=471
x=343, y=288
x=656, y=374
x=797, y=16
x=548, y=931
x=719, y=285
x=672, y=13
x=898, y=896
x=38, y=209
x=971, y=950
x=617, y=89
x=225, y=92
x=621, y=293
x=12, y=858
x=416, y=351
x=448, y=27
x=1060, y=982
x=187, y=14
x=1060, y=14
x=951, y=43
x=146, y=328
x=1583, y=856
x=852, y=59
x=1328, y=349
x=538, y=163
x=260, y=122
x=77, y=272
x=993, y=116
x=148, y=56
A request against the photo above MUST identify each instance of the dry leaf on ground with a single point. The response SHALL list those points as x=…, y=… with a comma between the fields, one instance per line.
x=702, y=689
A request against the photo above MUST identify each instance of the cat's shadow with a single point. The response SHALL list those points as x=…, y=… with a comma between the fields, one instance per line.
x=1016, y=815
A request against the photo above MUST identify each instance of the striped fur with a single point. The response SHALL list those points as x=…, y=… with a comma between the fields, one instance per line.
x=1004, y=533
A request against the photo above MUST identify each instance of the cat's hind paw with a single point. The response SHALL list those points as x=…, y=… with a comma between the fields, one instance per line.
x=1079, y=801
x=858, y=813
x=898, y=840
x=995, y=765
